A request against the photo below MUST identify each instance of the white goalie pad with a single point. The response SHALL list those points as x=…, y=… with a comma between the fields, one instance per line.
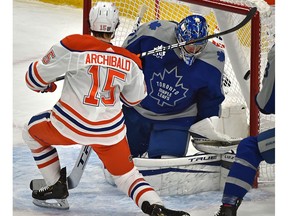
x=183, y=176
x=207, y=139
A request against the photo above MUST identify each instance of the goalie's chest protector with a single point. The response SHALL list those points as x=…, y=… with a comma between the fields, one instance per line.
x=174, y=84
x=171, y=84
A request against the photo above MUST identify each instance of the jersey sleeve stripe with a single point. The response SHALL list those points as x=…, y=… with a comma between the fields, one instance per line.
x=31, y=78
x=37, y=74
x=27, y=81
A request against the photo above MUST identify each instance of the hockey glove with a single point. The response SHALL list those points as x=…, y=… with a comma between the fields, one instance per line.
x=51, y=88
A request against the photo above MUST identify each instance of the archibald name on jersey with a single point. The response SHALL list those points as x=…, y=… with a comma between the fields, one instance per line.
x=108, y=60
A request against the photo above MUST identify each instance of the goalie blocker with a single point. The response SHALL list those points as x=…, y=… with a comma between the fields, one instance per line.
x=193, y=174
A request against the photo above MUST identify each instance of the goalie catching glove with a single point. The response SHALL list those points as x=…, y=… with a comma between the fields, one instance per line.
x=207, y=139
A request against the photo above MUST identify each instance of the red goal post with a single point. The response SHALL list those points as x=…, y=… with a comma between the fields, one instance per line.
x=255, y=43
x=246, y=49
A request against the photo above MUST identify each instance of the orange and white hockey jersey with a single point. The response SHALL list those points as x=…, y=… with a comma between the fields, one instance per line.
x=97, y=76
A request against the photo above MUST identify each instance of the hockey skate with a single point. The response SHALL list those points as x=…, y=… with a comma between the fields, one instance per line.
x=158, y=210
x=228, y=210
x=46, y=196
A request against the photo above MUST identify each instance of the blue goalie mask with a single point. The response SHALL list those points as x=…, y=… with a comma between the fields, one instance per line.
x=189, y=29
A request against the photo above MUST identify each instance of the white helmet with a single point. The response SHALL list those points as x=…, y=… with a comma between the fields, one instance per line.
x=104, y=17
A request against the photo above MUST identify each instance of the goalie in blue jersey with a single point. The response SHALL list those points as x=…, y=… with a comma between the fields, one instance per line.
x=184, y=86
x=253, y=149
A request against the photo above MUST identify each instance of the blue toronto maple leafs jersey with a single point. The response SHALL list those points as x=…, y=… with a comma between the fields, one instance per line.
x=176, y=90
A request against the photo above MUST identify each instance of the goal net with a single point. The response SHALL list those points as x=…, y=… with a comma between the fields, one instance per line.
x=246, y=53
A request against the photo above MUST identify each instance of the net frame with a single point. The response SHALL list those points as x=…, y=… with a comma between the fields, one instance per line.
x=255, y=53
x=255, y=43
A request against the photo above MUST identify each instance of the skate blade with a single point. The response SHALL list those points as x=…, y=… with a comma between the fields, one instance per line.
x=59, y=204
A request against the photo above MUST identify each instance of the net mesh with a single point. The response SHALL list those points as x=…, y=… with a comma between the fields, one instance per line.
x=237, y=46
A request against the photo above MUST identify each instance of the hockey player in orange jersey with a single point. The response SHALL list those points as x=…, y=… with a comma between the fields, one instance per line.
x=99, y=78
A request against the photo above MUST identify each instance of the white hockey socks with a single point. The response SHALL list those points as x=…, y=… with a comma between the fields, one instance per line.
x=46, y=158
x=135, y=186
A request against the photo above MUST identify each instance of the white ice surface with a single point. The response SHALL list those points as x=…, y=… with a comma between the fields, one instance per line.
x=36, y=26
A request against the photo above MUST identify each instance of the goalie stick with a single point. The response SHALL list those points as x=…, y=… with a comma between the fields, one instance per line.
x=74, y=178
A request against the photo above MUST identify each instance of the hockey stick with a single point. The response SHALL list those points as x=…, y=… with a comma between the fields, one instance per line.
x=76, y=173
x=78, y=169
x=74, y=178
x=248, y=17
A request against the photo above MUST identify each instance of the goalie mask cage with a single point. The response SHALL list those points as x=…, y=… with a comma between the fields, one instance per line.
x=246, y=49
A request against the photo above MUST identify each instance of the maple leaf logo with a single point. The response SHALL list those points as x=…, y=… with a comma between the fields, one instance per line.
x=221, y=56
x=159, y=54
x=154, y=25
x=167, y=89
